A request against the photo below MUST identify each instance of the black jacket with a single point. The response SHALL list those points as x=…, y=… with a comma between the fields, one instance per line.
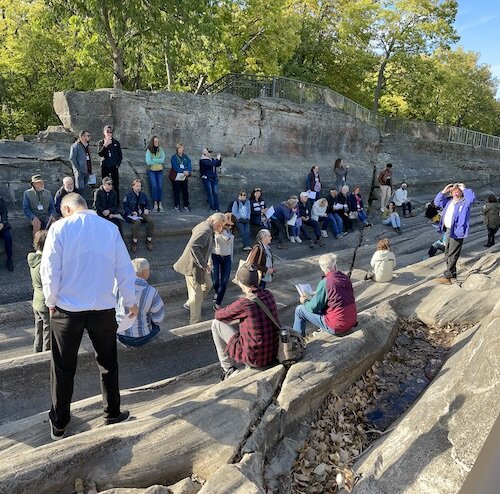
x=4, y=215
x=110, y=156
x=137, y=203
x=304, y=210
x=105, y=200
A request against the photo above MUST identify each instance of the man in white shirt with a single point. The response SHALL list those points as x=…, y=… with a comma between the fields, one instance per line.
x=400, y=198
x=83, y=256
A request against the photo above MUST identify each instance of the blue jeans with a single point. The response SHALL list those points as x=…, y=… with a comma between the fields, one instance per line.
x=212, y=189
x=221, y=270
x=362, y=216
x=156, y=182
x=333, y=220
x=7, y=238
x=141, y=340
x=244, y=229
x=303, y=316
x=394, y=220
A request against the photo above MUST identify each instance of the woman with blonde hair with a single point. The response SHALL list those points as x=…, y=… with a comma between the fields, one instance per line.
x=383, y=262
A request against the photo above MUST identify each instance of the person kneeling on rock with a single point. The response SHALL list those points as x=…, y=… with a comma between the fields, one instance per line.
x=255, y=342
x=332, y=308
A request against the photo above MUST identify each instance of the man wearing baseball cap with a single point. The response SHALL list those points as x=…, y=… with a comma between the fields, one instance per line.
x=38, y=205
x=110, y=151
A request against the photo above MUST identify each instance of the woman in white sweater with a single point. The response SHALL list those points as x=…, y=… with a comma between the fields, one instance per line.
x=383, y=262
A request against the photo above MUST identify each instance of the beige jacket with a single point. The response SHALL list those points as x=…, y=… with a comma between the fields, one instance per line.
x=383, y=263
x=194, y=259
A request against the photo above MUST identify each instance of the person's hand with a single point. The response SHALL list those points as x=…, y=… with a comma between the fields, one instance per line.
x=107, y=142
x=270, y=271
x=134, y=213
x=218, y=156
x=51, y=311
x=36, y=223
x=209, y=269
x=1, y=226
x=133, y=311
x=303, y=299
x=186, y=173
x=111, y=216
x=447, y=189
x=146, y=211
x=106, y=212
x=461, y=186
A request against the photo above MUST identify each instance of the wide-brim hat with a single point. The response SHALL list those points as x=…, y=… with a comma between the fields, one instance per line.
x=36, y=178
x=247, y=275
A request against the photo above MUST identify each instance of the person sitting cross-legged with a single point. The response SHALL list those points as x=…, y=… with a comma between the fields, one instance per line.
x=137, y=208
x=332, y=308
x=255, y=342
x=151, y=308
x=390, y=216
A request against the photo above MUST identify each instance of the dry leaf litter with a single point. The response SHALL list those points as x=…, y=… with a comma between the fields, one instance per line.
x=348, y=424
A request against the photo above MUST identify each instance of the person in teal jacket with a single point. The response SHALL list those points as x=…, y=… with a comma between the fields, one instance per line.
x=155, y=157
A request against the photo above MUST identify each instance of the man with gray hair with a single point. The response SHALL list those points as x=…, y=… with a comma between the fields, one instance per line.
x=68, y=186
x=79, y=155
x=83, y=256
x=332, y=307
x=194, y=263
x=151, y=309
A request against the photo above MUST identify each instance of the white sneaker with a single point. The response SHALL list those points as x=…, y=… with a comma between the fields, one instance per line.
x=297, y=239
x=160, y=207
x=382, y=210
x=292, y=239
x=324, y=233
x=186, y=306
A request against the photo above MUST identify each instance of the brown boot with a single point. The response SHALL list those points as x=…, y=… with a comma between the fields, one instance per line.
x=133, y=246
x=149, y=244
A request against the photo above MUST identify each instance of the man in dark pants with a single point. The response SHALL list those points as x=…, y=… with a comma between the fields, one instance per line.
x=456, y=202
x=5, y=233
x=82, y=257
x=110, y=151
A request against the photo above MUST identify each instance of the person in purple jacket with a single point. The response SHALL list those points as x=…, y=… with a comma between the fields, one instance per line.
x=456, y=202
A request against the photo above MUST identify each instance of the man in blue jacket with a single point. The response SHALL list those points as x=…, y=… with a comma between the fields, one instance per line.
x=456, y=202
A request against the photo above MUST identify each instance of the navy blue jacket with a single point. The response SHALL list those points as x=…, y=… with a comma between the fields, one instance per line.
x=208, y=168
x=282, y=213
x=137, y=203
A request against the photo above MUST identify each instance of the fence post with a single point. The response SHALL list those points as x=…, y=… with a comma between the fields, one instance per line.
x=274, y=88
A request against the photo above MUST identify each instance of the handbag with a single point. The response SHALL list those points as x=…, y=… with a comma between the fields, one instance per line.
x=172, y=174
x=290, y=343
x=353, y=215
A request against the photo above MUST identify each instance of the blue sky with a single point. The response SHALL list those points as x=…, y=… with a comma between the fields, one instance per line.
x=478, y=25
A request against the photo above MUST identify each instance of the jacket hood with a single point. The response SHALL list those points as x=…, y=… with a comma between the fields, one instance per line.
x=34, y=259
x=384, y=254
x=492, y=205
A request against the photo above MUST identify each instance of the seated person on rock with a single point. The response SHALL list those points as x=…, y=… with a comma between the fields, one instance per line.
x=151, y=308
x=332, y=308
x=391, y=217
x=319, y=212
x=283, y=213
x=383, y=263
x=401, y=200
x=439, y=244
x=305, y=216
x=68, y=186
x=5, y=233
x=255, y=341
x=38, y=205
x=356, y=207
x=137, y=208
x=432, y=212
x=106, y=203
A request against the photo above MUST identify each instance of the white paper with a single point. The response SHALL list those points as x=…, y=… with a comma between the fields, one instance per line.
x=92, y=179
x=292, y=220
x=134, y=217
x=119, y=217
x=126, y=323
x=311, y=194
x=180, y=177
x=304, y=290
x=269, y=212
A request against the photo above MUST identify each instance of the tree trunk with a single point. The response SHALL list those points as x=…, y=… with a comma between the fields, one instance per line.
x=378, y=90
x=168, y=67
x=201, y=82
x=116, y=50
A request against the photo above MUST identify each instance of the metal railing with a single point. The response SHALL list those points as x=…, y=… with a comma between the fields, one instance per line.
x=254, y=86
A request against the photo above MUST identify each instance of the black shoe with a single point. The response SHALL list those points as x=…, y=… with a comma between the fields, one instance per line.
x=56, y=433
x=226, y=374
x=311, y=243
x=10, y=265
x=122, y=417
x=320, y=242
x=486, y=245
x=398, y=230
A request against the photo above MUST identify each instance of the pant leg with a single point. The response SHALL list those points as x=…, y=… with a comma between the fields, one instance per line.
x=452, y=253
x=101, y=326
x=46, y=330
x=79, y=181
x=150, y=225
x=38, y=340
x=397, y=219
x=224, y=278
x=207, y=185
x=221, y=334
x=159, y=184
x=303, y=316
x=333, y=224
x=215, y=193
x=116, y=181
x=216, y=272
x=246, y=237
x=362, y=216
x=7, y=240
x=185, y=193
x=339, y=223
x=177, y=194
x=136, y=228
x=141, y=340
x=384, y=195
x=67, y=330
x=280, y=229
x=195, y=299
x=315, y=226
x=153, y=185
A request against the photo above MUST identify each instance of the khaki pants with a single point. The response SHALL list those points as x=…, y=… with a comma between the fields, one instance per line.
x=150, y=227
x=196, y=293
x=385, y=195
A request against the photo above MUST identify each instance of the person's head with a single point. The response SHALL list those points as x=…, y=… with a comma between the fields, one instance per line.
x=72, y=203
x=247, y=277
x=154, y=144
x=392, y=206
x=68, y=184
x=264, y=236
x=303, y=197
x=404, y=186
x=383, y=244
x=333, y=192
x=242, y=195
x=356, y=190
x=107, y=183
x=344, y=189
x=328, y=262
x=108, y=132
x=338, y=163
x=492, y=198
x=136, y=185
x=322, y=203
x=84, y=136
x=141, y=267
x=256, y=194
x=179, y=148
x=388, y=166
x=291, y=203
x=206, y=152
x=315, y=169
x=217, y=221
x=37, y=182
x=39, y=239
x=456, y=192
x=230, y=222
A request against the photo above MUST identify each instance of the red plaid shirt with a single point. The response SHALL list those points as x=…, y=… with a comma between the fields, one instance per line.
x=256, y=344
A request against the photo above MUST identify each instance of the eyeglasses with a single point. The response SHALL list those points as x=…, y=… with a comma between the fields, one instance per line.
x=228, y=225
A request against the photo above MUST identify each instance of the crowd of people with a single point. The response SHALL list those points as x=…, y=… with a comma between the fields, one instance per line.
x=120, y=305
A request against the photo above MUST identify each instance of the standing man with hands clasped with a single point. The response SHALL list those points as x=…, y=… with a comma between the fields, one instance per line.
x=82, y=258
x=110, y=151
x=456, y=202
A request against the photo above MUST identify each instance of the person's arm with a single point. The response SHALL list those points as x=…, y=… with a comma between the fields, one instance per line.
x=157, y=309
x=119, y=154
x=188, y=164
x=441, y=199
x=72, y=156
x=469, y=195
x=101, y=149
x=394, y=260
x=124, y=272
x=51, y=268
x=57, y=203
x=147, y=204
x=318, y=301
x=27, y=207
x=235, y=210
x=149, y=158
x=174, y=162
x=3, y=212
x=198, y=249
x=97, y=206
x=232, y=312
x=126, y=205
x=52, y=209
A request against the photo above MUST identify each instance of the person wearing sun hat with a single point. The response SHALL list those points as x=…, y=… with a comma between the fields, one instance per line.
x=38, y=205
